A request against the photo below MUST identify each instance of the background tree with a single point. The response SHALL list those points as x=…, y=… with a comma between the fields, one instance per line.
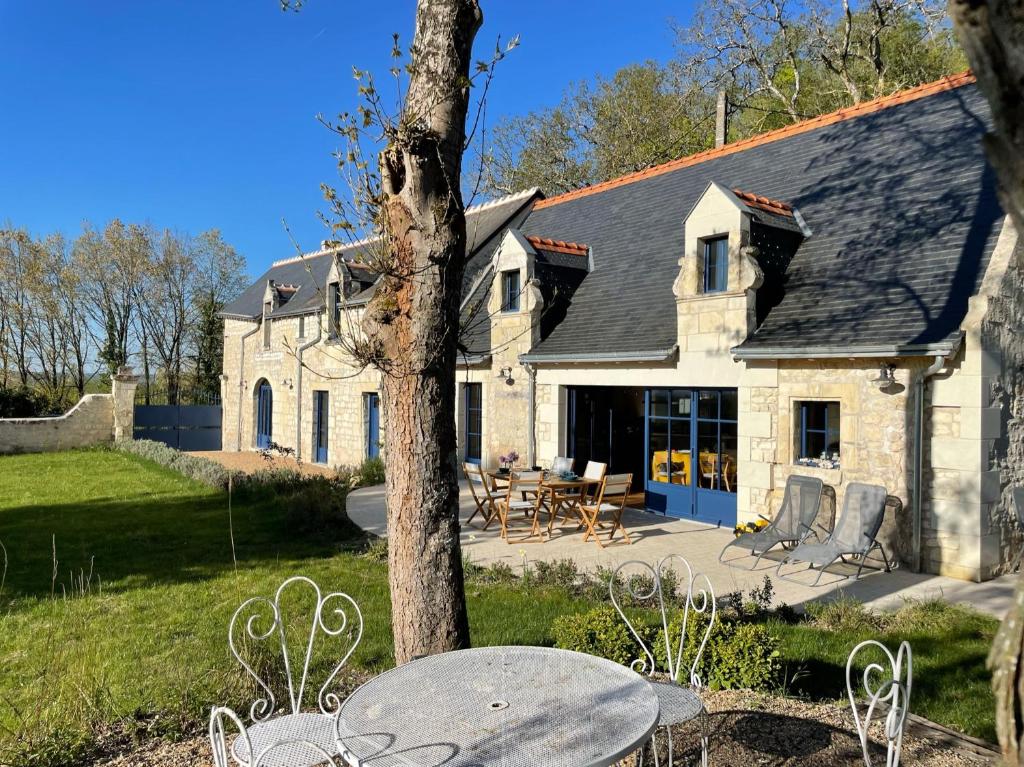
x=779, y=61
x=15, y=256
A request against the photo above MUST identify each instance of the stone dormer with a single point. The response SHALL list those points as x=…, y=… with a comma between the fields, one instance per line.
x=737, y=245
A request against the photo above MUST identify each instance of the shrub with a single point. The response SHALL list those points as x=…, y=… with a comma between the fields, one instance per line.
x=600, y=632
x=737, y=655
x=842, y=615
x=316, y=505
x=192, y=466
x=377, y=549
x=562, y=572
x=22, y=402
x=371, y=472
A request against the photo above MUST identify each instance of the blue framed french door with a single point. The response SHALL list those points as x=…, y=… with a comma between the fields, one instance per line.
x=320, y=426
x=691, y=454
x=264, y=415
x=372, y=408
x=473, y=406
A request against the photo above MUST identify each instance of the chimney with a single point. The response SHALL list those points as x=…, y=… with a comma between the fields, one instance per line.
x=721, y=119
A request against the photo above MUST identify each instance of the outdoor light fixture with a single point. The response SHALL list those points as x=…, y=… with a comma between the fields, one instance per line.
x=506, y=375
x=886, y=376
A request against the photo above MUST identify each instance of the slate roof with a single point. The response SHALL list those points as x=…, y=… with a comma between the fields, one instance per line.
x=483, y=223
x=897, y=193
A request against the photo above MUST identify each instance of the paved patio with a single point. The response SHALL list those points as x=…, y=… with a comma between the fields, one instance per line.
x=655, y=536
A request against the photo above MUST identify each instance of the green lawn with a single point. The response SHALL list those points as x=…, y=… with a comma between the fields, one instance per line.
x=144, y=641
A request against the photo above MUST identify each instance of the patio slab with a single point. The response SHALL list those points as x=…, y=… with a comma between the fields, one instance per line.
x=655, y=536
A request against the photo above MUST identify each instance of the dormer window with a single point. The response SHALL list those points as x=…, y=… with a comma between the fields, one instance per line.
x=716, y=264
x=267, y=308
x=334, y=301
x=510, y=291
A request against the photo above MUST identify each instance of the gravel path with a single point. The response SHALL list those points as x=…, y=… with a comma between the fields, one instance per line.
x=749, y=730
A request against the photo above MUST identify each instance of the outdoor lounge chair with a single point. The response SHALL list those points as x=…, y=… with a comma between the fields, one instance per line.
x=855, y=534
x=792, y=523
x=482, y=497
x=561, y=465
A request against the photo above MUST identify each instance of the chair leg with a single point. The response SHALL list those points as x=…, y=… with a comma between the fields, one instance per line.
x=590, y=521
x=617, y=525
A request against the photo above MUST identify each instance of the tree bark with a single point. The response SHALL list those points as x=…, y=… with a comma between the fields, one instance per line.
x=413, y=321
x=991, y=33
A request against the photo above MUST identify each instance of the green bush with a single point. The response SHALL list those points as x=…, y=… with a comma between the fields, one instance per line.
x=844, y=615
x=22, y=402
x=737, y=655
x=371, y=472
x=562, y=572
x=192, y=466
x=600, y=632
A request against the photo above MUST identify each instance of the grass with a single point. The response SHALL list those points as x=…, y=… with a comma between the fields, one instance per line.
x=142, y=642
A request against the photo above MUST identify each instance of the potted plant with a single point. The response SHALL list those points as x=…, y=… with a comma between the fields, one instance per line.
x=506, y=462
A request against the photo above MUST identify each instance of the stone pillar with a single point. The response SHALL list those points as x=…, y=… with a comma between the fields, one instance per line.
x=123, y=385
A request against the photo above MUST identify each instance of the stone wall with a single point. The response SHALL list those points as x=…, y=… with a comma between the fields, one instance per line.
x=326, y=367
x=97, y=419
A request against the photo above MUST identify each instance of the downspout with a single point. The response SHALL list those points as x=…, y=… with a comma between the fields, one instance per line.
x=298, y=386
x=241, y=386
x=919, y=387
x=531, y=414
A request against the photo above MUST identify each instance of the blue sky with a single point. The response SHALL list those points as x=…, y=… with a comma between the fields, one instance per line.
x=194, y=115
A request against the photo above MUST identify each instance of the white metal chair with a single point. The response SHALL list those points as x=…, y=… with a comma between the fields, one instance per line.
x=285, y=735
x=891, y=687
x=680, y=696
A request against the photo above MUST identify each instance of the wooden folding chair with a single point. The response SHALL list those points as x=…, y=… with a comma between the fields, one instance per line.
x=519, y=486
x=481, y=490
x=611, y=499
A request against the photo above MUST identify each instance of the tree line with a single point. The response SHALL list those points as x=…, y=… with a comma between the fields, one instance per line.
x=778, y=62
x=73, y=311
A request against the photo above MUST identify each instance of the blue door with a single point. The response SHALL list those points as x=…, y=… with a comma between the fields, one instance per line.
x=691, y=454
x=372, y=425
x=474, y=407
x=320, y=421
x=264, y=415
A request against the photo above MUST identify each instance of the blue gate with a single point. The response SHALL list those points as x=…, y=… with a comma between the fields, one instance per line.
x=183, y=427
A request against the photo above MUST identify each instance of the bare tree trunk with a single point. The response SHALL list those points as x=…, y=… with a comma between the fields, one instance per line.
x=992, y=35
x=413, y=320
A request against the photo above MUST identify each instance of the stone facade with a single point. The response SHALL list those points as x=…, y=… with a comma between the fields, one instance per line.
x=973, y=444
x=96, y=419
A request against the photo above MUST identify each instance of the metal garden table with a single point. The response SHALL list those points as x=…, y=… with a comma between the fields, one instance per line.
x=499, y=707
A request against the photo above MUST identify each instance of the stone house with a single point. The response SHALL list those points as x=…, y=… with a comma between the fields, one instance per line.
x=840, y=298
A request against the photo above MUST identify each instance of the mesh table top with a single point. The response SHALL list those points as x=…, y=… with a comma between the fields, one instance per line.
x=499, y=707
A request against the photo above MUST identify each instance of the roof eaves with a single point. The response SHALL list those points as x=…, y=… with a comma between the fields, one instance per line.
x=657, y=355
x=946, y=348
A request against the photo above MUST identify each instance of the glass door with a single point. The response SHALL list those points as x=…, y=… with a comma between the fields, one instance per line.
x=691, y=454
x=669, y=487
x=264, y=415
x=372, y=407
x=320, y=426
x=474, y=421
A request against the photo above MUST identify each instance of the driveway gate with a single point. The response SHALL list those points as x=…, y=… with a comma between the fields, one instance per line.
x=185, y=427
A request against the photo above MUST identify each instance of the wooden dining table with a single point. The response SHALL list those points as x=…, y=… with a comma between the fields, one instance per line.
x=554, y=491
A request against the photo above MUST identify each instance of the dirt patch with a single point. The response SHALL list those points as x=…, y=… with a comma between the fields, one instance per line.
x=746, y=728
x=249, y=461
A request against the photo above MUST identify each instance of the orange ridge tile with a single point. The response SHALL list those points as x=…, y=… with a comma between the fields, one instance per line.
x=558, y=246
x=948, y=83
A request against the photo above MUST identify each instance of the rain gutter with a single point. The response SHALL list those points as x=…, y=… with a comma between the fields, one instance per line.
x=241, y=385
x=660, y=355
x=916, y=500
x=945, y=348
x=298, y=386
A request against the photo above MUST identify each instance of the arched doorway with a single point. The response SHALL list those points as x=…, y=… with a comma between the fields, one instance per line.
x=264, y=413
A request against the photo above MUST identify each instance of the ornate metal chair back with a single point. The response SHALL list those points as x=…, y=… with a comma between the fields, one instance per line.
x=886, y=683
x=687, y=617
x=261, y=622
